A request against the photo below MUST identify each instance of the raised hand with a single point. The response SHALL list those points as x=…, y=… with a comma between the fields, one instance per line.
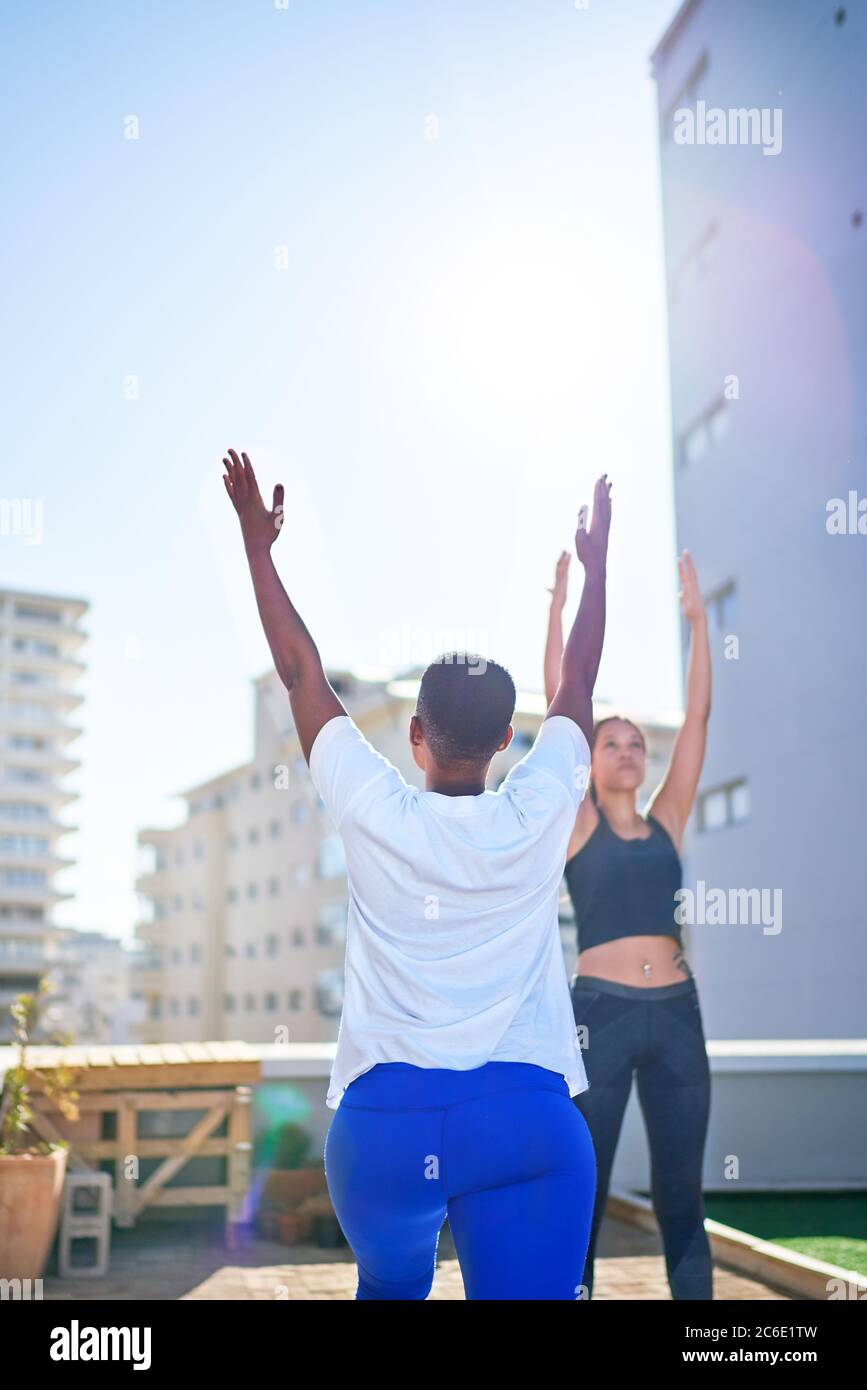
x=690, y=597
x=591, y=545
x=259, y=526
x=561, y=580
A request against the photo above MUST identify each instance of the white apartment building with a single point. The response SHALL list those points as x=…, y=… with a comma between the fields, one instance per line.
x=766, y=260
x=246, y=900
x=40, y=638
x=95, y=998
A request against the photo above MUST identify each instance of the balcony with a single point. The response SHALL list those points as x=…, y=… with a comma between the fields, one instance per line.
x=46, y=689
x=49, y=761
x=30, y=959
x=57, y=665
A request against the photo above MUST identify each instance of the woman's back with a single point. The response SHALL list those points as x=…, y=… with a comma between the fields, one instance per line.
x=453, y=947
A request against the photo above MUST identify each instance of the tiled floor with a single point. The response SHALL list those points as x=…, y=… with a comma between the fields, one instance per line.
x=189, y=1261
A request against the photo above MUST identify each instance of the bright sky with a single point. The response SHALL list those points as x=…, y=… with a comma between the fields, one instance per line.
x=408, y=256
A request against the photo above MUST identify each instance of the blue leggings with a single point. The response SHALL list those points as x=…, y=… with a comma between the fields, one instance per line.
x=500, y=1150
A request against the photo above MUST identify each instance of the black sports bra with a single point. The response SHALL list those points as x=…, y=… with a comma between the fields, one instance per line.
x=624, y=887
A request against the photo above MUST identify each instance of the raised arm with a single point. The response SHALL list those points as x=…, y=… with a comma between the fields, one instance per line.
x=583, y=650
x=295, y=654
x=672, y=801
x=554, y=637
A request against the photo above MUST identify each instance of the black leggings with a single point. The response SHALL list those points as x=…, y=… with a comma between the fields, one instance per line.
x=657, y=1034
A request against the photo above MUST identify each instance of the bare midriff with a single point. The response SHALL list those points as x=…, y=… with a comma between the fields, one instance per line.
x=636, y=960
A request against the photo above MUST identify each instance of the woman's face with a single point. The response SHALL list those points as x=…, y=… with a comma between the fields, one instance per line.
x=618, y=757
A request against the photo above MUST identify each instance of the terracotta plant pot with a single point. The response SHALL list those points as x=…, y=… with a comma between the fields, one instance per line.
x=288, y=1228
x=266, y=1225
x=31, y=1187
x=285, y=1187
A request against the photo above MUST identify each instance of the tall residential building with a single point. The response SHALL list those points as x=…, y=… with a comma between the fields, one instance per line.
x=246, y=901
x=40, y=638
x=763, y=110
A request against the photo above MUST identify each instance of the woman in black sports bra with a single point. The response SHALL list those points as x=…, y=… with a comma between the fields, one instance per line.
x=635, y=1000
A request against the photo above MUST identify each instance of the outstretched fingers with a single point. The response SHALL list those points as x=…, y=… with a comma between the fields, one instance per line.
x=602, y=501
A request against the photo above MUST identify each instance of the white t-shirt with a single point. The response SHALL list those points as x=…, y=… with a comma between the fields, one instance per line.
x=453, y=951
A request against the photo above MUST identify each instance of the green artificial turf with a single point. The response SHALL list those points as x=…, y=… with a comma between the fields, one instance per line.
x=829, y=1226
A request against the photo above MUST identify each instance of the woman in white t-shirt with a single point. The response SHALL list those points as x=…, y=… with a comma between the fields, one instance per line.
x=457, y=1054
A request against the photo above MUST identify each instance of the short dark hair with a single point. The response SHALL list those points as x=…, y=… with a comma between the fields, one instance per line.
x=465, y=705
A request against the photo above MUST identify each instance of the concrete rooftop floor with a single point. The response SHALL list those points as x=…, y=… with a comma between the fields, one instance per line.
x=188, y=1260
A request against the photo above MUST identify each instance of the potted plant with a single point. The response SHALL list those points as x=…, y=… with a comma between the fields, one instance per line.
x=31, y=1170
x=289, y=1176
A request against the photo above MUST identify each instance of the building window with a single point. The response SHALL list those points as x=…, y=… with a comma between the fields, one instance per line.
x=250, y=951
x=250, y=1003
x=704, y=432
x=300, y=875
x=156, y=1007
x=24, y=878
x=173, y=1008
x=192, y=1007
x=35, y=647
x=724, y=806
x=297, y=936
x=331, y=862
x=255, y=782
x=23, y=810
x=273, y=887
x=329, y=993
x=295, y=998
x=253, y=836
x=231, y=895
x=232, y=841
x=198, y=850
x=176, y=955
x=23, y=844
x=275, y=829
x=229, y=1003
x=41, y=615
x=252, y=890
x=721, y=607
x=25, y=774
x=195, y=954
x=272, y=944
x=331, y=925
x=271, y=1002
